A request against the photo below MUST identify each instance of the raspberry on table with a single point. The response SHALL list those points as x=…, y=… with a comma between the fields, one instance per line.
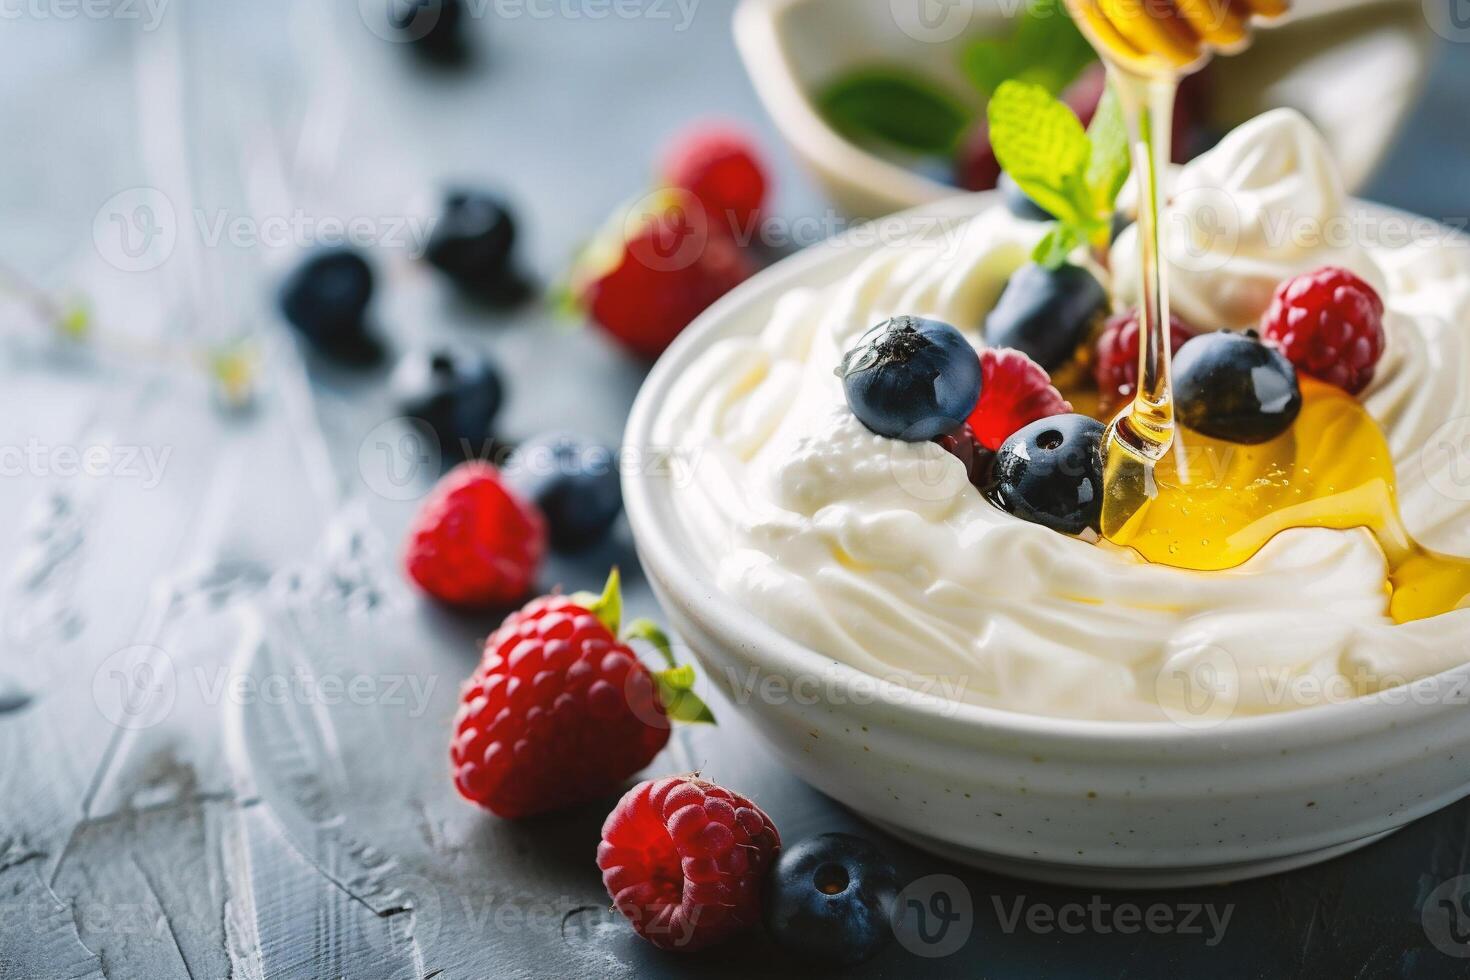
x=685, y=860
x=561, y=711
x=1014, y=391
x=474, y=543
x=1329, y=323
x=1115, y=357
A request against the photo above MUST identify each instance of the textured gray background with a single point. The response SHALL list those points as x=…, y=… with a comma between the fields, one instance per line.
x=174, y=800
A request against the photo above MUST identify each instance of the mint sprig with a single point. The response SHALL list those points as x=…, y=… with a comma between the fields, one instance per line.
x=1074, y=174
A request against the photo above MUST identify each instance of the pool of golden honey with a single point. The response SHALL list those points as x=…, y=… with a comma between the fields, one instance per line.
x=1215, y=504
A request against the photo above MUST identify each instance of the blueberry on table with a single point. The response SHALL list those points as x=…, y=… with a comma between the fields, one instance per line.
x=1019, y=203
x=912, y=379
x=432, y=27
x=1046, y=313
x=1051, y=473
x=455, y=391
x=1234, y=387
x=473, y=244
x=574, y=481
x=326, y=299
x=829, y=899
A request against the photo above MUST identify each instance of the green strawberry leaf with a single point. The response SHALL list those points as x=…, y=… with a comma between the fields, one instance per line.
x=675, y=691
x=1041, y=144
x=608, y=607
x=1108, y=168
x=648, y=631
x=894, y=108
x=1044, y=47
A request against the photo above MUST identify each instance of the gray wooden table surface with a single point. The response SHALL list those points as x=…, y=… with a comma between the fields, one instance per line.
x=223, y=715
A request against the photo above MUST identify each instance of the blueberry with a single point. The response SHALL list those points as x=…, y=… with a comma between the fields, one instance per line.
x=455, y=391
x=326, y=299
x=1051, y=473
x=1019, y=203
x=1047, y=313
x=473, y=243
x=829, y=899
x=432, y=27
x=1233, y=387
x=575, y=483
x=911, y=379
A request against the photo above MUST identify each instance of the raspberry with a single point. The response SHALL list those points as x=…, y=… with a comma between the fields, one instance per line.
x=1115, y=358
x=1014, y=391
x=963, y=446
x=723, y=169
x=664, y=276
x=1329, y=323
x=559, y=710
x=684, y=860
x=976, y=167
x=474, y=543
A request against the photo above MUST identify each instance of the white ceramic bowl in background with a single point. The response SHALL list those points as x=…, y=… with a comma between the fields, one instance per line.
x=1083, y=802
x=1353, y=67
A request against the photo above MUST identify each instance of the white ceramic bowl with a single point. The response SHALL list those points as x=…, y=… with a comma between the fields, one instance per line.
x=1353, y=67
x=1085, y=802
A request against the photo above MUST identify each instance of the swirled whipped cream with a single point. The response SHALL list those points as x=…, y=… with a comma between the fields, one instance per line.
x=879, y=554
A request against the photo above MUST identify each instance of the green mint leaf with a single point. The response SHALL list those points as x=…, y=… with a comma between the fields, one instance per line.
x=608, y=607
x=648, y=631
x=1041, y=145
x=675, y=691
x=1108, y=168
x=1052, y=251
x=1043, y=47
x=894, y=108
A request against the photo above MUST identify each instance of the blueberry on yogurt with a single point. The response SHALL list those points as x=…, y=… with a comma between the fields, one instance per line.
x=912, y=379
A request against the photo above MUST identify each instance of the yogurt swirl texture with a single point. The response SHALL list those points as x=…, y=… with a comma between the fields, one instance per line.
x=877, y=553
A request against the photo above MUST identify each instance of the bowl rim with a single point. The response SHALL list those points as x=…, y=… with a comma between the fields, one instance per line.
x=655, y=528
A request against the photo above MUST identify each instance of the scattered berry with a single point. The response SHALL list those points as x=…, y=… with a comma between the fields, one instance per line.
x=722, y=168
x=829, y=899
x=1046, y=313
x=326, y=299
x=575, y=483
x=474, y=543
x=684, y=860
x=976, y=168
x=1115, y=357
x=453, y=390
x=660, y=278
x=1232, y=386
x=1051, y=473
x=431, y=27
x=1329, y=323
x=560, y=711
x=473, y=243
x=1014, y=391
x=1019, y=203
x=911, y=379
x=963, y=446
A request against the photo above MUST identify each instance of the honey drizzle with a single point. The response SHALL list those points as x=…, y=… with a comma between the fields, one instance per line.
x=1182, y=499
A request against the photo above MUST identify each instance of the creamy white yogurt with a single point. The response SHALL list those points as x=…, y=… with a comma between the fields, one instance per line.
x=879, y=554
